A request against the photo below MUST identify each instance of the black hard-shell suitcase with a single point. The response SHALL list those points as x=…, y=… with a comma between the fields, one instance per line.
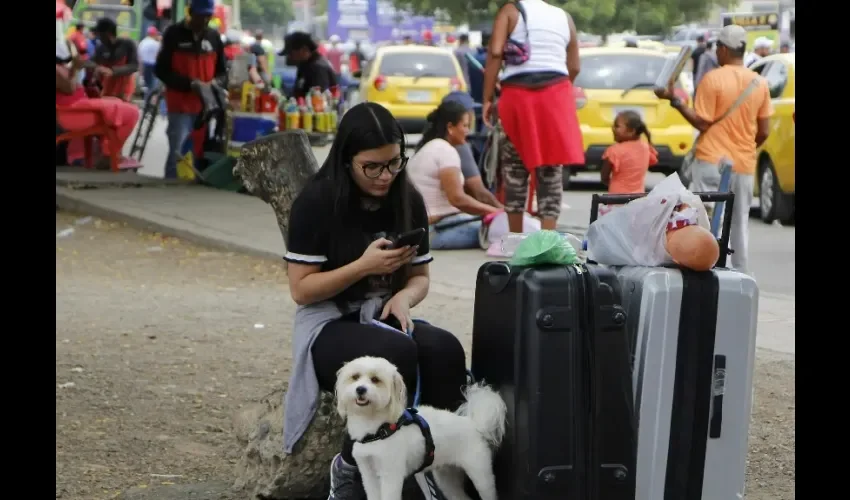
x=552, y=340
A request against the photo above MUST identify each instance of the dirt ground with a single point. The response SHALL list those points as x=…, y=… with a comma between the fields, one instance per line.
x=159, y=342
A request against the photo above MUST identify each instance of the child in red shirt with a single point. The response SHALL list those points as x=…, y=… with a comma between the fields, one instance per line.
x=625, y=163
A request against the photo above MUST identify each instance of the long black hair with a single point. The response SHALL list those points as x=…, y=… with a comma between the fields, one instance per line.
x=449, y=112
x=364, y=126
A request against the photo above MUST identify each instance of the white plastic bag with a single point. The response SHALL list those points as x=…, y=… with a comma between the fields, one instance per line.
x=635, y=235
x=499, y=226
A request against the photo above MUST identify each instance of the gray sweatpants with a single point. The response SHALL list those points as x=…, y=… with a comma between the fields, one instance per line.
x=706, y=177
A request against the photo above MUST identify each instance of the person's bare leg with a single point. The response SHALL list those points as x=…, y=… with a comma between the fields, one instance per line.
x=515, y=222
x=548, y=223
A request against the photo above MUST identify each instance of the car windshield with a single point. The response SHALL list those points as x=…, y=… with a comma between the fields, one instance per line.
x=418, y=64
x=619, y=71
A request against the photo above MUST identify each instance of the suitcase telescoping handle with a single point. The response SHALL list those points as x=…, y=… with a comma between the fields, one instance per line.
x=727, y=198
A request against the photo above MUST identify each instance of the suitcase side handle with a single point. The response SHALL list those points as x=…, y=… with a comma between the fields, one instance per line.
x=727, y=198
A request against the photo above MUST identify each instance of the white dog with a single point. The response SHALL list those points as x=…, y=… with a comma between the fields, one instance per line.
x=371, y=395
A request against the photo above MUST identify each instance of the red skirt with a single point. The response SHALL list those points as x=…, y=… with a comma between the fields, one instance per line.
x=542, y=124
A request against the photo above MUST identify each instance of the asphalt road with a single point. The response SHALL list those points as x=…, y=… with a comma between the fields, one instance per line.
x=772, y=247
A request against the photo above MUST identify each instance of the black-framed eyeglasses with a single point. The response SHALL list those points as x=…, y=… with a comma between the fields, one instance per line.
x=373, y=170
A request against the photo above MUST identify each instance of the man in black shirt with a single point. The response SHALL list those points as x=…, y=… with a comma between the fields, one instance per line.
x=115, y=61
x=313, y=69
x=697, y=53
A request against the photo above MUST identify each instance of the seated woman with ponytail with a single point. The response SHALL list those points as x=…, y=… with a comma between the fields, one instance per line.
x=454, y=217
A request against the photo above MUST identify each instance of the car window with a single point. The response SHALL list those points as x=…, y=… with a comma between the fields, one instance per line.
x=619, y=71
x=418, y=64
x=776, y=75
x=680, y=36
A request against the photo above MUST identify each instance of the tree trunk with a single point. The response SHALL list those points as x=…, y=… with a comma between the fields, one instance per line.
x=275, y=168
x=265, y=471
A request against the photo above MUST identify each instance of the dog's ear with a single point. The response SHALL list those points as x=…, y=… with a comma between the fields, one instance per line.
x=398, y=396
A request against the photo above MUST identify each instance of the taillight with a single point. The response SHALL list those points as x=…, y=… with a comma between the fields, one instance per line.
x=581, y=98
x=455, y=84
x=682, y=96
x=380, y=83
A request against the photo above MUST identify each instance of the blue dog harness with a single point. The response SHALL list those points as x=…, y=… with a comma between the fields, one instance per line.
x=410, y=417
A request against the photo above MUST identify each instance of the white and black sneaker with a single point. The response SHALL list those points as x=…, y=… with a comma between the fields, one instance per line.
x=346, y=483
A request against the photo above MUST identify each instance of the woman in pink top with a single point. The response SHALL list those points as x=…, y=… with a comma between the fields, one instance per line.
x=118, y=114
x=454, y=217
x=626, y=162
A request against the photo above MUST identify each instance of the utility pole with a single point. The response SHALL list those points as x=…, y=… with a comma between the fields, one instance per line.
x=236, y=13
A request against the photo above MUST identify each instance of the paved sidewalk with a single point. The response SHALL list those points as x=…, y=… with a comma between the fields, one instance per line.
x=246, y=224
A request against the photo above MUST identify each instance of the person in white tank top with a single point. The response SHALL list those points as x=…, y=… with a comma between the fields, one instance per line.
x=548, y=37
x=537, y=55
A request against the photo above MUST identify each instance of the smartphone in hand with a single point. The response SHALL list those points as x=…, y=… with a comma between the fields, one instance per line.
x=408, y=239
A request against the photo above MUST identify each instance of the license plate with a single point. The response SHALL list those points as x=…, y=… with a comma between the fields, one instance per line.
x=639, y=111
x=419, y=96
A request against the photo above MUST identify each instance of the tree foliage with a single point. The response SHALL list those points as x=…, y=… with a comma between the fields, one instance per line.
x=264, y=12
x=593, y=16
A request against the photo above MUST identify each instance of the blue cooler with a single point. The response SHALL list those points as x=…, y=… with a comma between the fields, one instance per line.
x=249, y=126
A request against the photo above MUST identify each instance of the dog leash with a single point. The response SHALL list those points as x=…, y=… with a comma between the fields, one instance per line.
x=417, y=394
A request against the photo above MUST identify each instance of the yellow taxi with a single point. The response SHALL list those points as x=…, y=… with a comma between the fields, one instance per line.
x=776, y=167
x=614, y=79
x=410, y=81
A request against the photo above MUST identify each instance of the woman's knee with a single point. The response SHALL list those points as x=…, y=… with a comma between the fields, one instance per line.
x=437, y=344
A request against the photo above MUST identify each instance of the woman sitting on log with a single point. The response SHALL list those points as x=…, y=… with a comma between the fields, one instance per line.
x=344, y=275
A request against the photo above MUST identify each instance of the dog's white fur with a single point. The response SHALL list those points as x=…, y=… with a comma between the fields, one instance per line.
x=464, y=441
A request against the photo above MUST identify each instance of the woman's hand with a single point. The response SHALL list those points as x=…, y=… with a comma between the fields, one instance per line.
x=399, y=306
x=376, y=260
x=664, y=93
x=486, y=111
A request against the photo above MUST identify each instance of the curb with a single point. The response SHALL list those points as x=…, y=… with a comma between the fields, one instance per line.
x=67, y=201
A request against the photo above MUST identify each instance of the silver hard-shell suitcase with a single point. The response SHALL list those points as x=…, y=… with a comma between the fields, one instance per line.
x=693, y=336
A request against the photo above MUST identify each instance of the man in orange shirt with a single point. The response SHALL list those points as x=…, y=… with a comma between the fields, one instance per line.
x=735, y=137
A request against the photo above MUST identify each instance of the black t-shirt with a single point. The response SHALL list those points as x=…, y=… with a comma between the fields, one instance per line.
x=695, y=55
x=310, y=238
x=314, y=72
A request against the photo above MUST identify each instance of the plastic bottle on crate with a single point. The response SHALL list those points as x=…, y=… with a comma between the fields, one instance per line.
x=509, y=243
x=333, y=115
x=306, y=116
x=319, y=108
x=293, y=115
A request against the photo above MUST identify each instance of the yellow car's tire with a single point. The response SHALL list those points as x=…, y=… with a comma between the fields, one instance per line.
x=773, y=203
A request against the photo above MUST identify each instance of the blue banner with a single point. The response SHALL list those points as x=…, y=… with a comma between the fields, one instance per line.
x=374, y=20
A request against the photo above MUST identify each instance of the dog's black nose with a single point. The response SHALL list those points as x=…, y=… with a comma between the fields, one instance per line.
x=361, y=390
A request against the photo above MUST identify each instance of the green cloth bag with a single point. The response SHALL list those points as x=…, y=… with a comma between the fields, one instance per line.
x=545, y=247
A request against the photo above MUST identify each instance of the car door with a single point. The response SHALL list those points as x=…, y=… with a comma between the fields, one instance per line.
x=780, y=145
